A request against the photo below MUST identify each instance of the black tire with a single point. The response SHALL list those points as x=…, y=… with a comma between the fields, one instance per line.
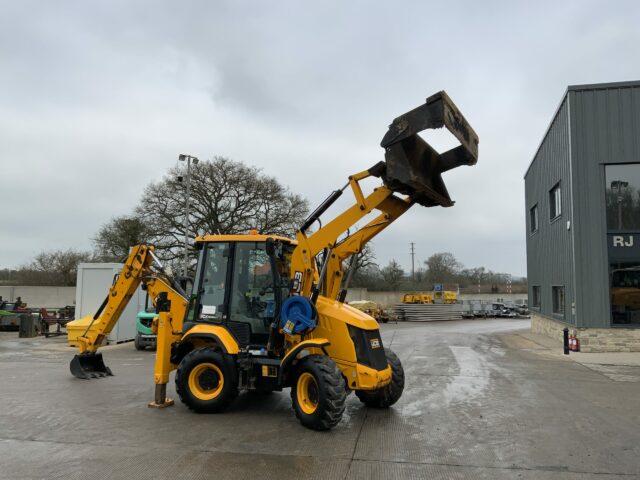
x=330, y=393
x=137, y=343
x=207, y=380
x=388, y=395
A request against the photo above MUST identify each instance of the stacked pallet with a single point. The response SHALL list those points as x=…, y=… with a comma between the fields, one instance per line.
x=428, y=312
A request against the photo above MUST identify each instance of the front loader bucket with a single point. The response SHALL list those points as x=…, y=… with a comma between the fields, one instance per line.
x=413, y=167
x=89, y=365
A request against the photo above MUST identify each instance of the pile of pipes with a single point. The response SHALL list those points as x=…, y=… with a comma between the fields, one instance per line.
x=427, y=312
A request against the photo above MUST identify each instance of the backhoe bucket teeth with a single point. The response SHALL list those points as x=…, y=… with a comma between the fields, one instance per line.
x=89, y=365
x=413, y=167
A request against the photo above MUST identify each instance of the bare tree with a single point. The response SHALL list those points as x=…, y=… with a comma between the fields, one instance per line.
x=226, y=197
x=58, y=267
x=442, y=267
x=365, y=259
x=393, y=274
x=115, y=238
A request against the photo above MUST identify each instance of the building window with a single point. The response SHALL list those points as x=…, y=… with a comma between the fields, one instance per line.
x=555, y=202
x=533, y=218
x=535, y=296
x=625, y=293
x=623, y=197
x=557, y=293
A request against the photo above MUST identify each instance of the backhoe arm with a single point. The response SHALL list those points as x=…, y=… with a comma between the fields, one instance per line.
x=123, y=288
x=136, y=270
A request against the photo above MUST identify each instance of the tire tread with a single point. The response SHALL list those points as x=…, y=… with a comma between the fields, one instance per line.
x=205, y=354
x=388, y=395
x=336, y=394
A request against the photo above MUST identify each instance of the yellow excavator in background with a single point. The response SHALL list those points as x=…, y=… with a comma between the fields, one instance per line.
x=420, y=298
x=268, y=312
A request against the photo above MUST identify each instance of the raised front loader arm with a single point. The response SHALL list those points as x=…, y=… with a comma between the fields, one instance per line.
x=411, y=167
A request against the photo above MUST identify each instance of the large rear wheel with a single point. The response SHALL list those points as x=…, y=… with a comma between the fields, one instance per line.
x=207, y=380
x=318, y=394
x=388, y=395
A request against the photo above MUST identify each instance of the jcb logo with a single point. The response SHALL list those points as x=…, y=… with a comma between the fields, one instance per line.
x=621, y=241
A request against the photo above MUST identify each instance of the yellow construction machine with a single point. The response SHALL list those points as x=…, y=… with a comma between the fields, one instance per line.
x=417, y=298
x=267, y=312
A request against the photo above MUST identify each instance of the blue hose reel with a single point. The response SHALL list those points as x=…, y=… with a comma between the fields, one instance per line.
x=297, y=315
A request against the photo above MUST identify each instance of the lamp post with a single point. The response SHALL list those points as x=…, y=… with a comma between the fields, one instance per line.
x=187, y=158
x=618, y=185
x=413, y=266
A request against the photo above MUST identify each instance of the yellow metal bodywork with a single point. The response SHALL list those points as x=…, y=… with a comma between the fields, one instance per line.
x=417, y=298
x=202, y=333
x=250, y=237
x=296, y=346
x=308, y=247
x=446, y=296
x=333, y=318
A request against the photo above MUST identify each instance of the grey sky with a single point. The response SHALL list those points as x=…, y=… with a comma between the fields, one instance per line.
x=98, y=98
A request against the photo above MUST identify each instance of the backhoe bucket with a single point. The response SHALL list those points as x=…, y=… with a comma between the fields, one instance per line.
x=89, y=365
x=413, y=167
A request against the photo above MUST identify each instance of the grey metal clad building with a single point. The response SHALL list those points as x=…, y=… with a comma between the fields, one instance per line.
x=582, y=192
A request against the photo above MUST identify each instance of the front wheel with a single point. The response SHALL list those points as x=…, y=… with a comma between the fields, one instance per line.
x=389, y=394
x=207, y=380
x=318, y=394
x=137, y=342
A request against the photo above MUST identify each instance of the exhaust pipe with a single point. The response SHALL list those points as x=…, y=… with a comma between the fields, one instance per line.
x=413, y=167
x=89, y=365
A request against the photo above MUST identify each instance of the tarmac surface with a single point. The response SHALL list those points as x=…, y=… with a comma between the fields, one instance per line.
x=482, y=400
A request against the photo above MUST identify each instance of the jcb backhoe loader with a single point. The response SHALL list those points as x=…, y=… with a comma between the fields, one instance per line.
x=268, y=312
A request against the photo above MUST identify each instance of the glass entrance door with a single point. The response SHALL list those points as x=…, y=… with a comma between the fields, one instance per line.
x=623, y=240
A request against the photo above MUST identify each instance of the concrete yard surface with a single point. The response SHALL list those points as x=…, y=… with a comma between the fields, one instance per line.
x=482, y=401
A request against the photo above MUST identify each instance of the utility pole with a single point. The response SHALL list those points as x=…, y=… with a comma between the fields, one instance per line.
x=187, y=158
x=413, y=266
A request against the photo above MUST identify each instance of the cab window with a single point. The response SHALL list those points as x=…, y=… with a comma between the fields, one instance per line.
x=252, y=298
x=214, y=278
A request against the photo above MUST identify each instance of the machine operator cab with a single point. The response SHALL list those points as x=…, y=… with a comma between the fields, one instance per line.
x=240, y=282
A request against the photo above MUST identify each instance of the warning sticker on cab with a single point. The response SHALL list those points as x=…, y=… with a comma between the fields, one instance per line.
x=297, y=282
x=375, y=342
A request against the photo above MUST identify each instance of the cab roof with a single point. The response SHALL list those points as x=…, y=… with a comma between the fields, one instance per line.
x=248, y=237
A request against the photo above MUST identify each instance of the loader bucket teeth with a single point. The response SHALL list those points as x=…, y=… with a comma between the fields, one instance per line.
x=413, y=167
x=89, y=365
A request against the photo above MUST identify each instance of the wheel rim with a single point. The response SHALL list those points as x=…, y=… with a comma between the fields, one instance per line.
x=206, y=381
x=307, y=393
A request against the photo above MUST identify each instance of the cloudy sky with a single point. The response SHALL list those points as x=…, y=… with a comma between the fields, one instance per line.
x=98, y=98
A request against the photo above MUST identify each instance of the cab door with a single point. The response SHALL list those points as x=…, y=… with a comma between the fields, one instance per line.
x=252, y=302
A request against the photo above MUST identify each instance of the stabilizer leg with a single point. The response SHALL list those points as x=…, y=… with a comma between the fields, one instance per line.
x=160, y=398
x=162, y=365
